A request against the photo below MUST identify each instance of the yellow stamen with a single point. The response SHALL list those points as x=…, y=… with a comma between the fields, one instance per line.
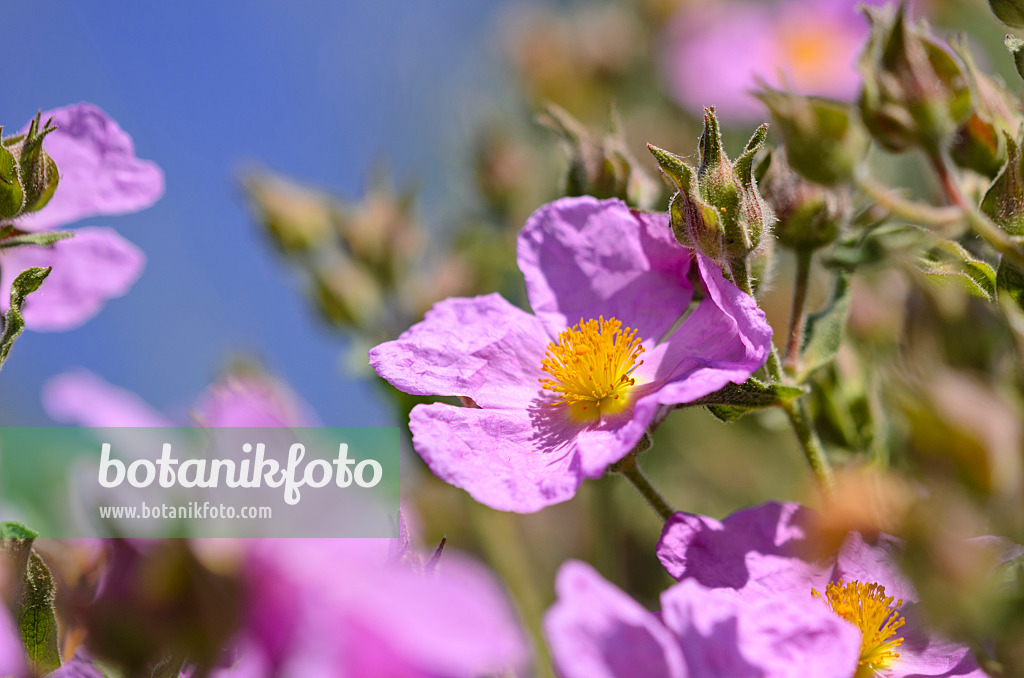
x=867, y=606
x=591, y=366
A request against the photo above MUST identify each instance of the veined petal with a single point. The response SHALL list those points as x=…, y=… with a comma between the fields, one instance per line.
x=88, y=269
x=510, y=460
x=99, y=173
x=583, y=258
x=597, y=631
x=482, y=348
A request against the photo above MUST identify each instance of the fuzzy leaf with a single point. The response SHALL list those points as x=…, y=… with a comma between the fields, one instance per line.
x=44, y=238
x=1010, y=283
x=825, y=329
x=36, y=617
x=948, y=259
x=735, y=400
x=14, y=324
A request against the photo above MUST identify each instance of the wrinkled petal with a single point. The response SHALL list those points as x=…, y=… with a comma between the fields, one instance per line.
x=753, y=551
x=510, y=460
x=85, y=399
x=583, y=258
x=876, y=561
x=483, y=348
x=721, y=634
x=95, y=265
x=597, y=631
x=80, y=666
x=925, y=654
x=99, y=173
x=725, y=339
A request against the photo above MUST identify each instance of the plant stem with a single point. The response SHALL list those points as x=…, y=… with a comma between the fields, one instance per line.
x=741, y=278
x=630, y=470
x=796, y=317
x=981, y=224
x=897, y=205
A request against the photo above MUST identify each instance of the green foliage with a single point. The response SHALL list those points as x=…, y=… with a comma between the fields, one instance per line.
x=33, y=605
x=949, y=260
x=825, y=330
x=14, y=324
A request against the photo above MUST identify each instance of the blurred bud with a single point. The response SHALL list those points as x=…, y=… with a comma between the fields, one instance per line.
x=1010, y=12
x=503, y=169
x=914, y=93
x=824, y=140
x=346, y=293
x=37, y=172
x=601, y=167
x=718, y=210
x=382, y=231
x=1004, y=200
x=979, y=144
x=809, y=216
x=296, y=217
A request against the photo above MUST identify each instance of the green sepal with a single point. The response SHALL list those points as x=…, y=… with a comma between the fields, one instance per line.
x=1010, y=12
x=825, y=329
x=1016, y=47
x=12, y=195
x=14, y=324
x=36, y=169
x=736, y=400
x=948, y=259
x=1004, y=199
x=43, y=239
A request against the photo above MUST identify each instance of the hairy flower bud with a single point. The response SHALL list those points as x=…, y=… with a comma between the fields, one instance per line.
x=915, y=94
x=1016, y=47
x=809, y=215
x=717, y=209
x=37, y=172
x=824, y=139
x=602, y=167
x=979, y=144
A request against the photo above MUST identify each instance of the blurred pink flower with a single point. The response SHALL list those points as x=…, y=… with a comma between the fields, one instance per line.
x=12, y=656
x=715, y=51
x=99, y=175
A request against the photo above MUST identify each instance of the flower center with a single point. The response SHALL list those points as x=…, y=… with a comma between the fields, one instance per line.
x=591, y=366
x=867, y=606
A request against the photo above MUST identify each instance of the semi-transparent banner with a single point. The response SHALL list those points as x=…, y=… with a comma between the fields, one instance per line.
x=201, y=482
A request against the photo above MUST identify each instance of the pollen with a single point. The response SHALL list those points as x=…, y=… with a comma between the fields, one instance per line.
x=874, y=613
x=591, y=367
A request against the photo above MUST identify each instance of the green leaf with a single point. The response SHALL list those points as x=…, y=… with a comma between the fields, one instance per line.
x=825, y=329
x=949, y=260
x=36, y=617
x=1010, y=283
x=26, y=283
x=46, y=238
x=735, y=400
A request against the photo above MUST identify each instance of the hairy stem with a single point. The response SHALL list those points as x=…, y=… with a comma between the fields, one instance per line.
x=628, y=468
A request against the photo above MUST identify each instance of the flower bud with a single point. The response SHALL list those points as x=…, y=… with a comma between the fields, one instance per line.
x=296, y=217
x=979, y=144
x=1004, y=200
x=809, y=215
x=717, y=209
x=37, y=172
x=1016, y=47
x=12, y=197
x=824, y=140
x=602, y=167
x=1010, y=12
x=915, y=94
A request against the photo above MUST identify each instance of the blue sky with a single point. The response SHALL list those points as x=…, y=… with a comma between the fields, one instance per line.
x=317, y=90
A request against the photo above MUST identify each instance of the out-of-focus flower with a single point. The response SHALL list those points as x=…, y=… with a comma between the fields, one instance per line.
x=715, y=52
x=350, y=608
x=595, y=629
x=757, y=554
x=12, y=654
x=566, y=392
x=244, y=399
x=99, y=175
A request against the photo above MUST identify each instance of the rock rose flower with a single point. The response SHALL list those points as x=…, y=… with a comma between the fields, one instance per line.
x=597, y=631
x=715, y=51
x=753, y=554
x=99, y=175
x=561, y=394
x=12, y=655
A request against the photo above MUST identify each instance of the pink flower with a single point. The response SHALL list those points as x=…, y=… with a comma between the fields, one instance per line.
x=715, y=51
x=99, y=175
x=563, y=393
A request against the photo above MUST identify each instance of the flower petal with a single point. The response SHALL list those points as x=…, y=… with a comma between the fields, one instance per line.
x=85, y=399
x=95, y=265
x=510, y=460
x=99, y=173
x=721, y=634
x=482, y=348
x=583, y=258
x=12, y=654
x=922, y=653
x=726, y=339
x=597, y=631
x=753, y=551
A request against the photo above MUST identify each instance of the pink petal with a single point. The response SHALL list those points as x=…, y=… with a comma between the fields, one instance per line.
x=99, y=173
x=85, y=399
